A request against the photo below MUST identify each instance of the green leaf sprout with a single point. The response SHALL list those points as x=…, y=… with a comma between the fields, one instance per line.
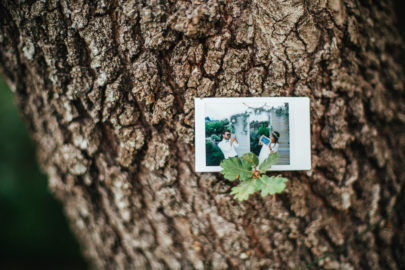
x=252, y=176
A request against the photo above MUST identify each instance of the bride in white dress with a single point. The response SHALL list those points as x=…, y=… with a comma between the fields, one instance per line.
x=272, y=147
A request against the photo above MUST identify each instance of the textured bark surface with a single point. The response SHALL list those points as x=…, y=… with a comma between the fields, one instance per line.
x=107, y=90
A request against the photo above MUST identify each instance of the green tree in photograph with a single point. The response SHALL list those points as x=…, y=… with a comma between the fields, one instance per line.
x=257, y=129
x=215, y=137
x=214, y=155
x=215, y=127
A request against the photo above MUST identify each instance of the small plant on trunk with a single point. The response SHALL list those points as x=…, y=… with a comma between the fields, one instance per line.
x=252, y=176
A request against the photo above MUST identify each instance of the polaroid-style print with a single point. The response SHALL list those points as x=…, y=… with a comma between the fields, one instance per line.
x=230, y=127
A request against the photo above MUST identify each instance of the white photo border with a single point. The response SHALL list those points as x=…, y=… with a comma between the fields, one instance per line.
x=299, y=125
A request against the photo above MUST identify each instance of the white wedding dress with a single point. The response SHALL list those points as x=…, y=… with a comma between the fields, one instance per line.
x=265, y=151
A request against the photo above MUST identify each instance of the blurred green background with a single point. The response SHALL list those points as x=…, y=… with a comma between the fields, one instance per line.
x=34, y=233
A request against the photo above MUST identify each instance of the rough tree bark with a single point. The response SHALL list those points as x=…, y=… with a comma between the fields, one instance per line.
x=107, y=87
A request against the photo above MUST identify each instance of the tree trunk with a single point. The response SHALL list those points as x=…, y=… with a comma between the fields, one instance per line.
x=107, y=90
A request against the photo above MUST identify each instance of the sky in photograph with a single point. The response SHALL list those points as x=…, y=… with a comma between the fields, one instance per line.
x=221, y=110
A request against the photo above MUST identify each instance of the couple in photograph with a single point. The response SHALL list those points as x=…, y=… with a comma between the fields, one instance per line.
x=228, y=144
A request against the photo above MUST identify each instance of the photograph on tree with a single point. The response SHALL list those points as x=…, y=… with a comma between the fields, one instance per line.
x=235, y=129
x=236, y=126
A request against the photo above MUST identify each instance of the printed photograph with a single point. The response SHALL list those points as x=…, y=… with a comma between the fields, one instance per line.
x=233, y=129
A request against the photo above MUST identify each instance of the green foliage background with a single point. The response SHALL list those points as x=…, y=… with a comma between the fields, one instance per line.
x=33, y=230
x=214, y=155
x=215, y=127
